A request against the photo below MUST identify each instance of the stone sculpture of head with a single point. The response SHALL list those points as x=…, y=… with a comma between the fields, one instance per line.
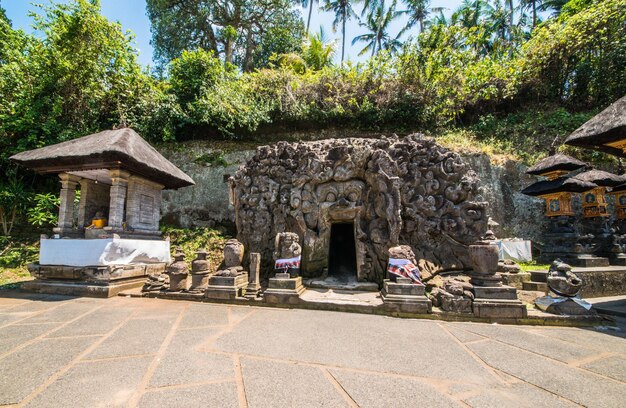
x=233, y=253
x=562, y=280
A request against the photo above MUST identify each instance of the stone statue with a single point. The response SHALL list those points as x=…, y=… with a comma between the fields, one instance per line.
x=155, y=283
x=200, y=269
x=233, y=257
x=562, y=281
x=287, y=253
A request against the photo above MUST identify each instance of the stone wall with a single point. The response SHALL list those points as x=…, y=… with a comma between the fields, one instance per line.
x=207, y=204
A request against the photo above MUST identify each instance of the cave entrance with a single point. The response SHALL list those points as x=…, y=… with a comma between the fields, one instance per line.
x=342, y=251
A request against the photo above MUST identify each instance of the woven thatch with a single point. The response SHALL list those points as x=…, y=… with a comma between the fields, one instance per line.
x=556, y=162
x=601, y=178
x=110, y=149
x=559, y=185
x=606, y=127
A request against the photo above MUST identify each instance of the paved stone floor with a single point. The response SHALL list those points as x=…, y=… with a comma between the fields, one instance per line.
x=57, y=351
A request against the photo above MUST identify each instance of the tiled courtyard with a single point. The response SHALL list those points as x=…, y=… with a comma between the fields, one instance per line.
x=57, y=351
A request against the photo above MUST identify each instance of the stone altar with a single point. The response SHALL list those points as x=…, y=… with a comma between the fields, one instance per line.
x=230, y=281
x=286, y=286
x=352, y=199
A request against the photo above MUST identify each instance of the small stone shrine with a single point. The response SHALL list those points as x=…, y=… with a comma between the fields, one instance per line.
x=114, y=242
x=565, y=286
x=350, y=200
x=178, y=271
x=401, y=293
x=492, y=299
x=562, y=239
x=200, y=269
x=286, y=285
x=231, y=280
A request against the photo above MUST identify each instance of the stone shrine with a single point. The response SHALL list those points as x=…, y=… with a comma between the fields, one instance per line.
x=352, y=199
x=114, y=242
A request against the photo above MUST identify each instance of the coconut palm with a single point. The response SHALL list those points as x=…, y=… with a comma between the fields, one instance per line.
x=418, y=11
x=318, y=50
x=309, y=4
x=533, y=5
x=470, y=13
x=378, y=22
x=343, y=12
x=497, y=21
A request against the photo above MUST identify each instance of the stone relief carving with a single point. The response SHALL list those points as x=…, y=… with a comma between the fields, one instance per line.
x=395, y=190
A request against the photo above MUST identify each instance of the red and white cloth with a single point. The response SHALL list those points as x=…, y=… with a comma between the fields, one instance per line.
x=403, y=268
x=284, y=264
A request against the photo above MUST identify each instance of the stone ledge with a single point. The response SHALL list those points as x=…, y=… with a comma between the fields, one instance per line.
x=86, y=289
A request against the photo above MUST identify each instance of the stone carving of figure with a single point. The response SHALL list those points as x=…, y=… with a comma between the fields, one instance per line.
x=287, y=252
x=233, y=256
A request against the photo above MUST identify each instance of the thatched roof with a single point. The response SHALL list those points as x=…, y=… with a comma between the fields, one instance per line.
x=606, y=127
x=556, y=162
x=110, y=149
x=601, y=178
x=558, y=185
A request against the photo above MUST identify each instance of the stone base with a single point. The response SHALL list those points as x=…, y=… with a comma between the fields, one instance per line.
x=515, y=279
x=253, y=290
x=597, y=282
x=86, y=289
x=580, y=260
x=405, y=297
x=495, y=308
x=495, y=292
x=90, y=281
x=283, y=289
x=617, y=259
x=227, y=287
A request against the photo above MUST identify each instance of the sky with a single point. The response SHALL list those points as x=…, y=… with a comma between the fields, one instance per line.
x=132, y=16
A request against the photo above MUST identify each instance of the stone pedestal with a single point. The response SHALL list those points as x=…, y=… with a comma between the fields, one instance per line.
x=405, y=297
x=498, y=302
x=254, y=286
x=199, y=282
x=227, y=287
x=284, y=289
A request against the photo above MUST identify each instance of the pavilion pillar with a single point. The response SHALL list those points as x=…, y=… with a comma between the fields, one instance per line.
x=119, y=186
x=66, y=205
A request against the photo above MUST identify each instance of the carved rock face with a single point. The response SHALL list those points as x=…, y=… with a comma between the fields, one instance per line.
x=287, y=246
x=233, y=253
x=562, y=280
x=394, y=191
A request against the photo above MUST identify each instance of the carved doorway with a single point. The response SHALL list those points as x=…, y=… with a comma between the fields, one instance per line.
x=342, y=252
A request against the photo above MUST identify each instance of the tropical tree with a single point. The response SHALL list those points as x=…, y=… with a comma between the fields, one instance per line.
x=318, y=51
x=418, y=11
x=497, y=21
x=378, y=22
x=343, y=12
x=309, y=4
x=533, y=5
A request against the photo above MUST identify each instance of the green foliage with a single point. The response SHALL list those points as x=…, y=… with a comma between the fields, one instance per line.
x=318, y=52
x=17, y=252
x=13, y=202
x=193, y=239
x=44, y=211
x=215, y=158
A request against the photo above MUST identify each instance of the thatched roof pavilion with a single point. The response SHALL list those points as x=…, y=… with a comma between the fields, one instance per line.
x=120, y=149
x=559, y=185
x=605, y=132
x=601, y=178
x=120, y=175
x=558, y=164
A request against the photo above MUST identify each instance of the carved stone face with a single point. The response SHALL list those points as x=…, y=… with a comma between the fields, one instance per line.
x=562, y=280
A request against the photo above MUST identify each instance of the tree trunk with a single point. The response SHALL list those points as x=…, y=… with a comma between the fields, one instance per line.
x=247, y=62
x=421, y=25
x=308, y=20
x=343, y=34
x=3, y=221
x=534, y=13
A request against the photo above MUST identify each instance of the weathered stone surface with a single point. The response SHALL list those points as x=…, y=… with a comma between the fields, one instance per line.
x=562, y=281
x=284, y=289
x=405, y=296
x=394, y=190
x=227, y=287
x=254, y=284
x=233, y=253
x=178, y=272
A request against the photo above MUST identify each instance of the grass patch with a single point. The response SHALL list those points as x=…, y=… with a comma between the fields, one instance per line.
x=11, y=278
x=532, y=266
x=192, y=239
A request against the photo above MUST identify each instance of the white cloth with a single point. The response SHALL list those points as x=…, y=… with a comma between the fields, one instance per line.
x=546, y=301
x=519, y=251
x=100, y=252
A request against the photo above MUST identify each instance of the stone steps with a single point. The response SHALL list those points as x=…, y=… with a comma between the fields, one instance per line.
x=536, y=286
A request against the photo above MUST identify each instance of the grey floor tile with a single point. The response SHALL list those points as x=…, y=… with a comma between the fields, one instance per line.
x=198, y=315
x=184, y=364
x=572, y=383
x=370, y=390
x=17, y=334
x=221, y=395
x=614, y=367
x=273, y=384
x=23, y=371
x=99, y=322
x=96, y=384
x=518, y=395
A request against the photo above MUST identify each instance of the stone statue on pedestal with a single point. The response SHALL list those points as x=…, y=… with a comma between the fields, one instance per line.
x=287, y=253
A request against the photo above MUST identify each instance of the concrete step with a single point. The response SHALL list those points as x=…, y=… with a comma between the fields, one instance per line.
x=536, y=286
x=539, y=276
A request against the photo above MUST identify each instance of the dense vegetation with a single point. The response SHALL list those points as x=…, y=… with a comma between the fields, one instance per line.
x=492, y=72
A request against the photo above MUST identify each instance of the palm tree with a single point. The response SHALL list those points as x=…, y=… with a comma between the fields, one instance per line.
x=378, y=22
x=497, y=21
x=309, y=4
x=470, y=13
x=533, y=5
x=343, y=12
x=555, y=5
x=318, y=51
x=418, y=11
